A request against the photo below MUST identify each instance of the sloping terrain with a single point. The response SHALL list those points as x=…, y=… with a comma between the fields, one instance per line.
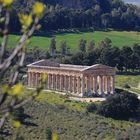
x=69, y=123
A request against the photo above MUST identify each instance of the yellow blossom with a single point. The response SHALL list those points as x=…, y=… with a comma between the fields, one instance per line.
x=26, y=20
x=54, y=136
x=17, y=89
x=6, y=2
x=38, y=9
x=17, y=124
x=44, y=77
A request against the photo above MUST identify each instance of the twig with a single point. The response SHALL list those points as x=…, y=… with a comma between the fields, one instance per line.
x=15, y=74
x=2, y=120
x=5, y=36
x=15, y=106
x=8, y=61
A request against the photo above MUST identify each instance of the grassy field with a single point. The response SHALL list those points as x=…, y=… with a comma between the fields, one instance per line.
x=132, y=81
x=119, y=39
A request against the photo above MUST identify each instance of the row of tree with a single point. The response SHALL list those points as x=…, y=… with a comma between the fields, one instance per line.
x=124, y=59
x=100, y=14
x=83, y=46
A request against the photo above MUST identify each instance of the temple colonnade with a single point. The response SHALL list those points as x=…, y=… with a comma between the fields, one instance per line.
x=73, y=84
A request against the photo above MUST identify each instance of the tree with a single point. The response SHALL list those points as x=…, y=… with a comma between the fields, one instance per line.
x=53, y=47
x=105, y=43
x=77, y=59
x=105, y=18
x=11, y=65
x=82, y=45
x=110, y=56
x=126, y=53
x=136, y=56
x=120, y=106
x=91, y=46
x=63, y=48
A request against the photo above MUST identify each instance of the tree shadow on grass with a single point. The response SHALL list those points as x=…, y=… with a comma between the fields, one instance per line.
x=4, y=133
x=23, y=119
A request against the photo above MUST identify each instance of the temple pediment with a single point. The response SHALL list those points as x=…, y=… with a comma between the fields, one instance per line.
x=98, y=67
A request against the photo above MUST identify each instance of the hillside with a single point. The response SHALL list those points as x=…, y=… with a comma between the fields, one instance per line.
x=71, y=122
x=98, y=14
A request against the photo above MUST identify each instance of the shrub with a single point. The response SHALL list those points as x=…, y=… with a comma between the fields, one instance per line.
x=127, y=86
x=91, y=107
x=48, y=134
x=120, y=106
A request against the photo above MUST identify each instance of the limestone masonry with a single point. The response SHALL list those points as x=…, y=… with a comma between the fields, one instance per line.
x=73, y=79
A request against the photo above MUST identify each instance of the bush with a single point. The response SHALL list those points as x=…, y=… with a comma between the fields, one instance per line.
x=49, y=134
x=127, y=86
x=91, y=107
x=120, y=106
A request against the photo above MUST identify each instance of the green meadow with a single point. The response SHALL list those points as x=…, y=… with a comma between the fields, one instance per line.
x=118, y=38
x=132, y=80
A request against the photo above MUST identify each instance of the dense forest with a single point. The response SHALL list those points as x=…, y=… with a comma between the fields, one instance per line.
x=98, y=14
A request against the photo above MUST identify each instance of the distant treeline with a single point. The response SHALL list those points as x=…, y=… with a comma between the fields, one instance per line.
x=66, y=14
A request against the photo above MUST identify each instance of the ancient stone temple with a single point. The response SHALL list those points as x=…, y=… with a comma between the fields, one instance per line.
x=74, y=79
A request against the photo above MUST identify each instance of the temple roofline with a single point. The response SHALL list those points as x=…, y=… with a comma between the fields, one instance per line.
x=54, y=65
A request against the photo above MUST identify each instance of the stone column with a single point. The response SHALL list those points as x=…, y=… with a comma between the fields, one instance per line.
x=83, y=85
x=88, y=84
x=54, y=82
x=74, y=85
x=57, y=82
x=33, y=79
x=108, y=84
x=48, y=81
x=36, y=79
x=91, y=83
x=105, y=85
x=29, y=79
x=65, y=83
x=112, y=85
x=100, y=85
x=62, y=83
x=95, y=84
x=71, y=84
x=78, y=85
